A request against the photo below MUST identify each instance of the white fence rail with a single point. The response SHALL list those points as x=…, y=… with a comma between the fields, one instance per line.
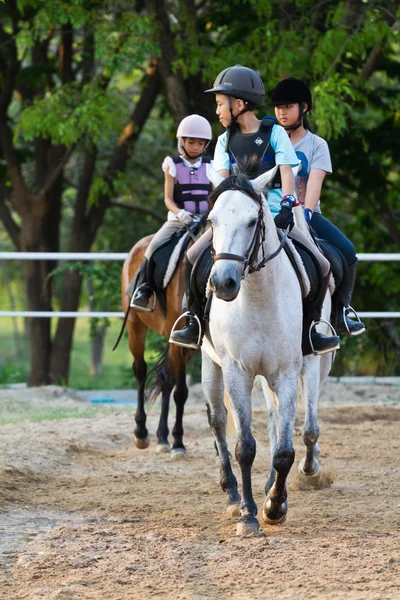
x=120, y=256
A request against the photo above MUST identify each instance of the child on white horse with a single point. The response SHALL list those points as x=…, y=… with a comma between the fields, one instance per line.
x=238, y=92
x=186, y=191
x=292, y=100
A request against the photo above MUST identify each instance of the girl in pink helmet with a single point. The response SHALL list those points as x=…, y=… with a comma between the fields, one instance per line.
x=186, y=191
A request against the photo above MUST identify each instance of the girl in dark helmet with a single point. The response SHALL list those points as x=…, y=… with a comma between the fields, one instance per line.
x=238, y=91
x=292, y=100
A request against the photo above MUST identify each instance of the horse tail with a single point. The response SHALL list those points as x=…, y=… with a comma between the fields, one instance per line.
x=158, y=377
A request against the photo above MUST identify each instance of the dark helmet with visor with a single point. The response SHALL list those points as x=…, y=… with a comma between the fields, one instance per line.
x=292, y=91
x=241, y=83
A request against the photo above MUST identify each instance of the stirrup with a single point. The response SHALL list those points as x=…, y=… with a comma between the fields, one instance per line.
x=350, y=309
x=333, y=331
x=192, y=345
x=141, y=309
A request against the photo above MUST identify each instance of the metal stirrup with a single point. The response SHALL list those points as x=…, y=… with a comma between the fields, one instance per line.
x=350, y=309
x=142, y=308
x=333, y=331
x=183, y=344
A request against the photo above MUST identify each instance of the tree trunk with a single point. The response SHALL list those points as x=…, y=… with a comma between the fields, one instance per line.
x=62, y=344
x=97, y=348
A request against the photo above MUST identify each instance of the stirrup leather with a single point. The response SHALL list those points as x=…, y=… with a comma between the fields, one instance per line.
x=142, y=308
x=194, y=346
x=320, y=352
x=346, y=311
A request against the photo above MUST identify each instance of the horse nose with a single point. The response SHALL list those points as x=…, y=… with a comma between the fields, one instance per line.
x=225, y=288
x=229, y=285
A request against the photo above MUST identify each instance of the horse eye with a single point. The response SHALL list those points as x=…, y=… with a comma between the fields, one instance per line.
x=252, y=223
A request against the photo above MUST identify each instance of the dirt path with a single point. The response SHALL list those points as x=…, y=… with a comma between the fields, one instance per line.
x=84, y=515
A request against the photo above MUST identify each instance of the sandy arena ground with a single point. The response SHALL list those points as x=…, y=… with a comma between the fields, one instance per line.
x=85, y=515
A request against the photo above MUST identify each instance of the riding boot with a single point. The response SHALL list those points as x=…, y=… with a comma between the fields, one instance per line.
x=143, y=290
x=313, y=341
x=188, y=337
x=341, y=305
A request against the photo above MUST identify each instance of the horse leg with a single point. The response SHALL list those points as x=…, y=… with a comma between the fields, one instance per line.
x=309, y=465
x=275, y=504
x=272, y=409
x=217, y=417
x=180, y=397
x=162, y=430
x=137, y=331
x=239, y=385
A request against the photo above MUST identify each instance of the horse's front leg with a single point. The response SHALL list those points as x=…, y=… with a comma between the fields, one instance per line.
x=180, y=397
x=239, y=386
x=136, y=339
x=217, y=417
x=275, y=504
x=310, y=465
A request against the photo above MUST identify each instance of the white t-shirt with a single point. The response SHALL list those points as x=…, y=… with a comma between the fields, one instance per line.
x=313, y=153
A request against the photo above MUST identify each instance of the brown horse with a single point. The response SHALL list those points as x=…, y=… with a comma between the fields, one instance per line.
x=172, y=370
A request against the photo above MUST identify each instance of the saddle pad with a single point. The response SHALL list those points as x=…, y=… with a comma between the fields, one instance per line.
x=311, y=266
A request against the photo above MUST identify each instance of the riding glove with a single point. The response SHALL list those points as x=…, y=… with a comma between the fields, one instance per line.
x=184, y=216
x=285, y=217
x=307, y=215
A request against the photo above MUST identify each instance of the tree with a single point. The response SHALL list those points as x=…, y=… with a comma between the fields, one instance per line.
x=69, y=70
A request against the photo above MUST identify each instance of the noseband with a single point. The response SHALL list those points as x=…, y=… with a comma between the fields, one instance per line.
x=257, y=241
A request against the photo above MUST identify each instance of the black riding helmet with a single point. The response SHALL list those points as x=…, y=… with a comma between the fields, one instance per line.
x=292, y=91
x=241, y=83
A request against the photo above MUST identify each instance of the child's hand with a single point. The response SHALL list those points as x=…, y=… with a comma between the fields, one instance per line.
x=184, y=216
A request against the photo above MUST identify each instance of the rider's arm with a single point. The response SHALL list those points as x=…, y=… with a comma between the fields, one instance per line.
x=287, y=179
x=169, y=192
x=313, y=189
x=221, y=162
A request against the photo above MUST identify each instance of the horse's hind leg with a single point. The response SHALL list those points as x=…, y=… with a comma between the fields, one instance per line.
x=136, y=338
x=162, y=430
x=275, y=505
x=273, y=415
x=217, y=417
x=309, y=465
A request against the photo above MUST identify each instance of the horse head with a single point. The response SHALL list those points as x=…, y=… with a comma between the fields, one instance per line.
x=238, y=218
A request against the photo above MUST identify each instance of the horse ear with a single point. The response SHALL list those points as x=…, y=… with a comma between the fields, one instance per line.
x=263, y=180
x=213, y=176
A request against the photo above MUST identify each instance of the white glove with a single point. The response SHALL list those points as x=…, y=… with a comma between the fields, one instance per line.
x=184, y=216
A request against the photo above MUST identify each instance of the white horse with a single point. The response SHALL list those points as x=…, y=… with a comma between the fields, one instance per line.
x=255, y=328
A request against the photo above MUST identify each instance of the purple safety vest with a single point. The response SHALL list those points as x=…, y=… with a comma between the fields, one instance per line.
x=192, y=186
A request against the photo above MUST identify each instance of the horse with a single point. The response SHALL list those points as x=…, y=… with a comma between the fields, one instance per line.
x=171, y=371
x=255, y=329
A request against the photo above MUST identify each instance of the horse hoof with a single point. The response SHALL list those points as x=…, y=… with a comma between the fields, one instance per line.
x=274, y=517
x=141, y=443
x=178, y=453
x=315, y=467
x=163, y=449
x=247, y=528
x=233, y=510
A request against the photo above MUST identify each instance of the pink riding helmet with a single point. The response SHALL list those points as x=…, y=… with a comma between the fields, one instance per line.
x=193, y=126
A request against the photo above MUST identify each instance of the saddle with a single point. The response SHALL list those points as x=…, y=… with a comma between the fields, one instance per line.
x=312, y=271
x=164, y=261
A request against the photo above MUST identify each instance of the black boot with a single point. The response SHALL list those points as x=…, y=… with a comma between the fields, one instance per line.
x=313, y=341
x=341, y=305
x=144, y=291
x=188, y=337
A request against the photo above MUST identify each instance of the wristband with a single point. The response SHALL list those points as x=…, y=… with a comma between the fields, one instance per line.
x=289, y=201
x=308, y=213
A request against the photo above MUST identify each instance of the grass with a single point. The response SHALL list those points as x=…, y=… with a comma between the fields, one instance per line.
x=117, y=365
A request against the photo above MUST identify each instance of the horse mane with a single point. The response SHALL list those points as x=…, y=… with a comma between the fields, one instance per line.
x=245, y=169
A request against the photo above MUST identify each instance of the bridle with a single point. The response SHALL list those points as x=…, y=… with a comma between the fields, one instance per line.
x=250, y=256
